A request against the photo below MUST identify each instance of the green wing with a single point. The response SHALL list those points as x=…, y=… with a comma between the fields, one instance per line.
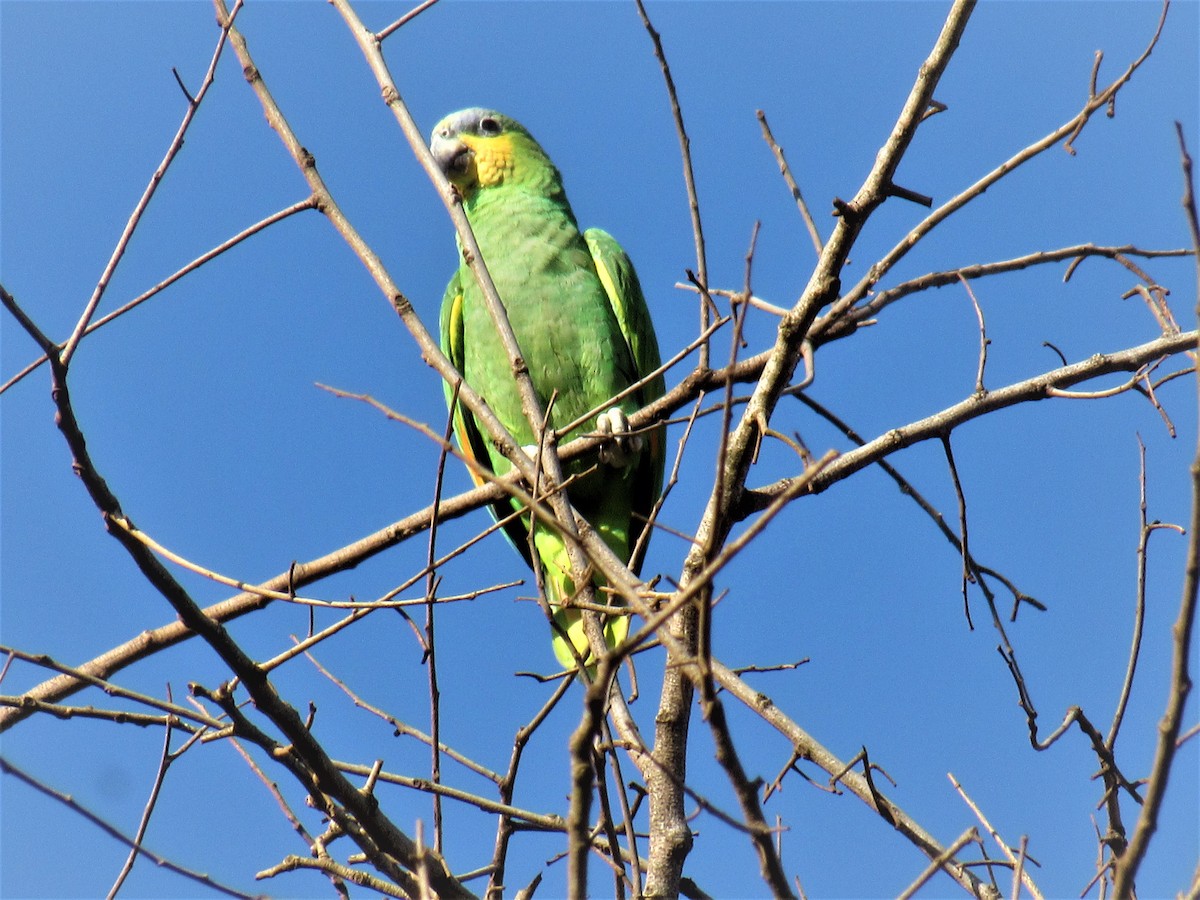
x=471, y=441
x=633, y=315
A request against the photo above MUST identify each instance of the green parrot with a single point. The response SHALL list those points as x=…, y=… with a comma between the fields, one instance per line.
x=584, y=329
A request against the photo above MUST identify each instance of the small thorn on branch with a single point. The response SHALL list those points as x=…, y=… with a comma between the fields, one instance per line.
x=1061, y=355
x=934, y=107
x=895, y=190
x=179, y=81
x=844, y=210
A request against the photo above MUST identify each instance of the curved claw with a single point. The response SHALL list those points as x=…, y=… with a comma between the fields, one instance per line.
x=621, y=447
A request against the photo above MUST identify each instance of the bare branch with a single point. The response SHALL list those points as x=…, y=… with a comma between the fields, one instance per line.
x=983, y=338
x=1072, y=127
x=786, y=172
x=385, y=33
x=1037, y=388
x=688, y=179
x=807, y=748
x=970, y=836
x=1025, y=879
x=832, y=325
x=112, y=831
x=308, y=203
x=333, y=869
x=1181, y=682
x=135, y=218
x=164, y=762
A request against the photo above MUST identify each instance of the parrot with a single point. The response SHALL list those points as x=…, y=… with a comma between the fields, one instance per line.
x=583, y=326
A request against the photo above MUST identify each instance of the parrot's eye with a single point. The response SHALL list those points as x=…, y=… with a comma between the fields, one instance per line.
x=488, y=125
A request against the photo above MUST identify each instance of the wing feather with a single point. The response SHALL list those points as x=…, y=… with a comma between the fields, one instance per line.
x=471, y=441
x=628, y=303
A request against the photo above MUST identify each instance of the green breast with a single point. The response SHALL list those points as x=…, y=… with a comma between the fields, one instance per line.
x=559, y=312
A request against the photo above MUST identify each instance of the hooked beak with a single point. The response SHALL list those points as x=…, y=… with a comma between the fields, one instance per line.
x=452, y=155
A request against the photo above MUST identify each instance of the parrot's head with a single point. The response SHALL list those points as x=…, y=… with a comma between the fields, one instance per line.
x=480, y=148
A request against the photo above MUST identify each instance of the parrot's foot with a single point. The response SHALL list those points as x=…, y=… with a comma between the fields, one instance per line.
x=621, y=447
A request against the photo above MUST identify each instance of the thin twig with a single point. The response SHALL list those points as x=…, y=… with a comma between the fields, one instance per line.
x=786, y=172
x=403, y=727
x=333, y=869
x=971, y=835
x=1182, y=631
x=135, y=217
x=504, y=826
x=968, y=576
x=746, y=790
x=689, y=179
x=86, y=679
x=1070, y=128
x=404, y=20
x=1139, y=609
x=431, y=582
x=1019, y=868
x=934, y=426
x=907, y=488
x=112, y=831
x=1007, y=850
x=164, y=762
x=808, y=748
x=308, y=203
x=983, y=338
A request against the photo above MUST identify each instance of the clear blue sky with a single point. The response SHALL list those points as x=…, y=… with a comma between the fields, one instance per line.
x=201, y=410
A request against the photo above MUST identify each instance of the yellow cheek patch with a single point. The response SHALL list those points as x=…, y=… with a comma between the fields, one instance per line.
x=493, y=158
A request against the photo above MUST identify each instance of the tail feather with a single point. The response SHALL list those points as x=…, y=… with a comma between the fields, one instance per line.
x=570, y=633
x=568, y=630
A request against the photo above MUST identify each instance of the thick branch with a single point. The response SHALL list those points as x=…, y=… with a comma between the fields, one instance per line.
x=668, y=853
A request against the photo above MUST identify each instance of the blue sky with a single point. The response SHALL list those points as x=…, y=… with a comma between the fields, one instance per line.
x=201, y=410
